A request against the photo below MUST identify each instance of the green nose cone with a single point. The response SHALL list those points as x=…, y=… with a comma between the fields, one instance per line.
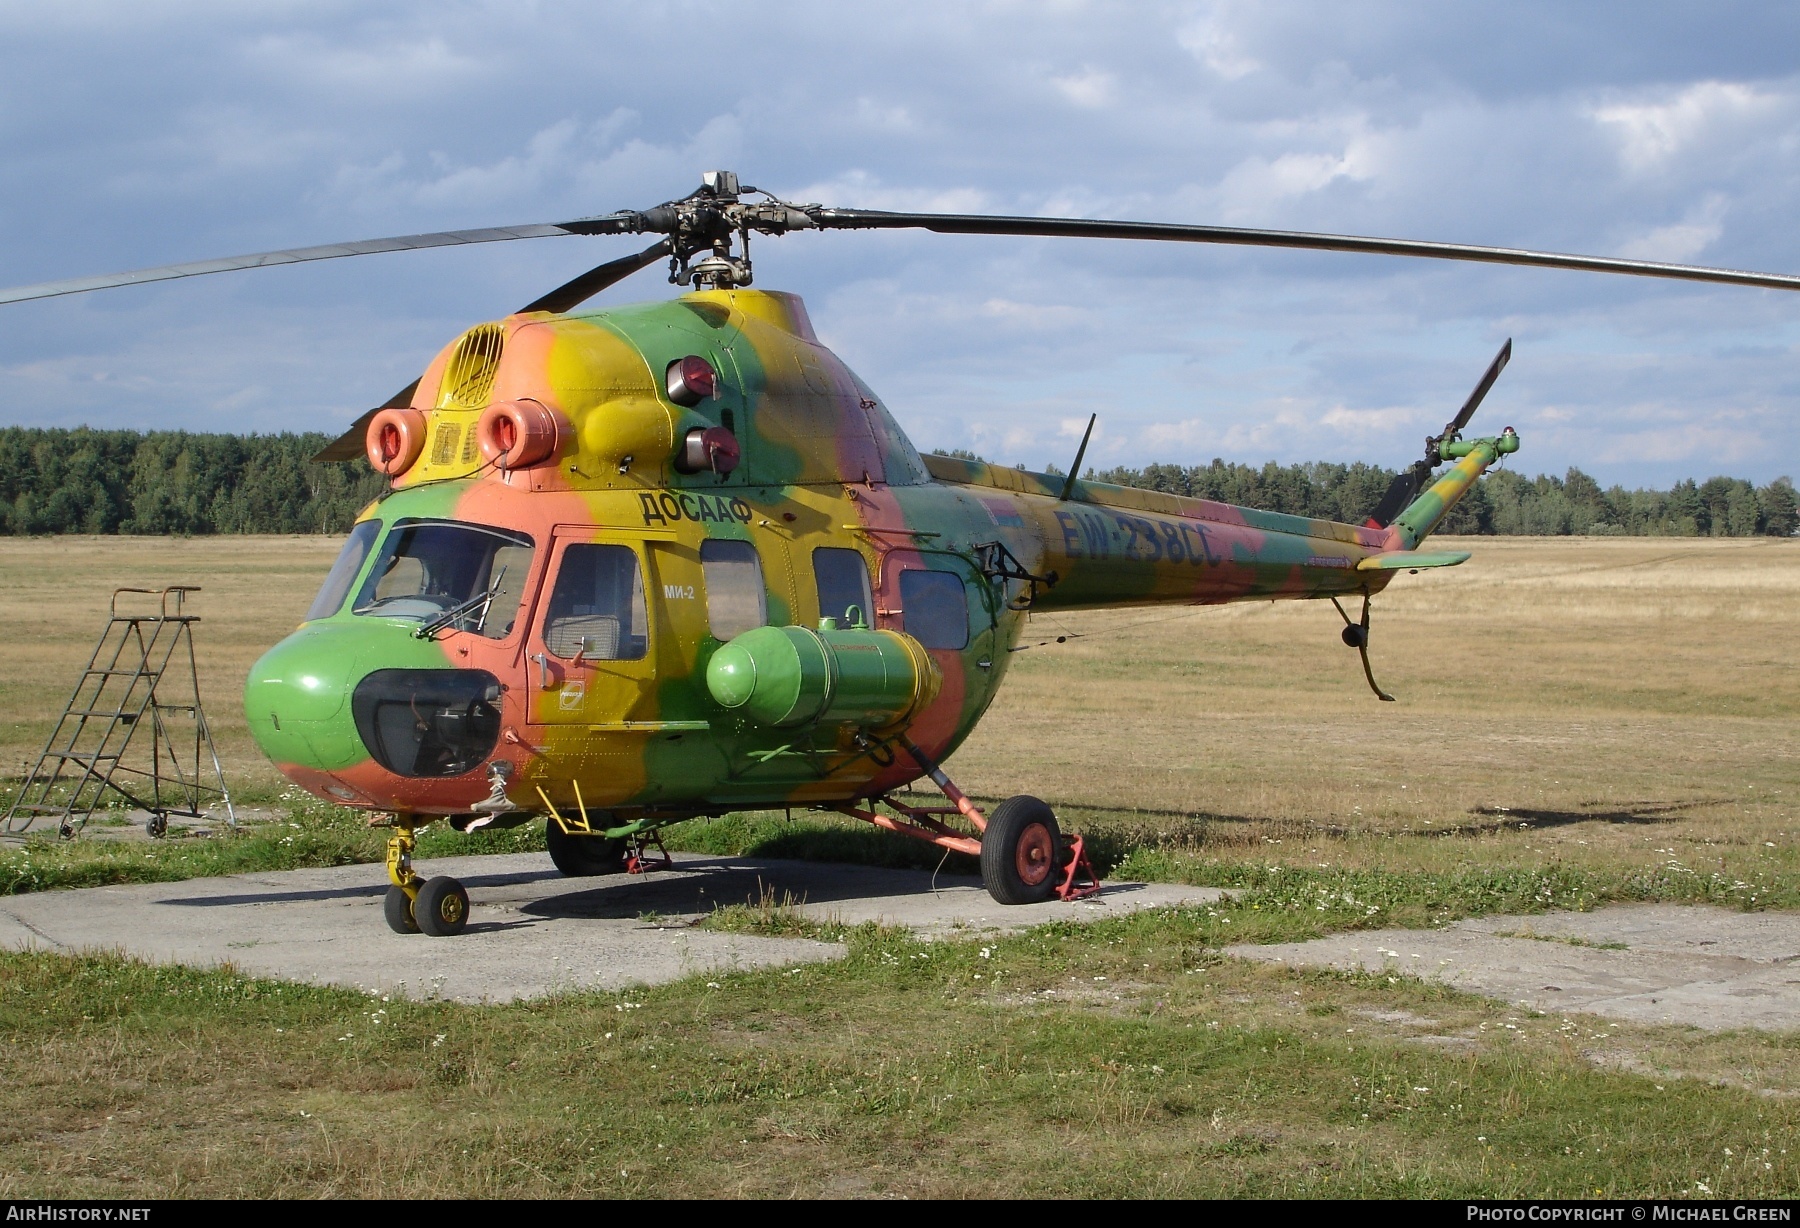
x=297, y=697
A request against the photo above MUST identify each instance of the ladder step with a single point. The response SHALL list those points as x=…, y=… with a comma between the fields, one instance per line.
x=123, y=673
x=122, y=715
x=79, y=756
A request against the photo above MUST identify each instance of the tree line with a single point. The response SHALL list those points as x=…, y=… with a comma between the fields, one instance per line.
x=86, y=481
x=1504, y=502
x=54, y=480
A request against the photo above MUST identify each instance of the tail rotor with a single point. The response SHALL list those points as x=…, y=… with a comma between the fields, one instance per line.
x=1412, y=480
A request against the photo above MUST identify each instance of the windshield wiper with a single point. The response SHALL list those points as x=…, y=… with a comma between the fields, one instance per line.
x=429, y=629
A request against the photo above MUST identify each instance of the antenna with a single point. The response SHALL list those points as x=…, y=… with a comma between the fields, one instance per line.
x=1075, y=469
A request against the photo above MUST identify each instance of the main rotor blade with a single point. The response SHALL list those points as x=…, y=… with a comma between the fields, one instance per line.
x=590, y=283
x=299, y=255
x=1082, y=228
x=1481, y=390
x=349, y=445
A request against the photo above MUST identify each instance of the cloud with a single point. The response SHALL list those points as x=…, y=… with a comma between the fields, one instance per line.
x=1651, y=133
x=1363, y=421
x=1212, y=41
x=1087, y=88
x=1685, y=240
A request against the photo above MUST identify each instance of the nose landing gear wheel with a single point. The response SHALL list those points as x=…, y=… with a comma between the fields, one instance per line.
x=442, y=908
x=1019, y=851
x=397, y=908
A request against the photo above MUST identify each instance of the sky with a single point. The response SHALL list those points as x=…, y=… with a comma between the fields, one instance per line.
x=139, y=134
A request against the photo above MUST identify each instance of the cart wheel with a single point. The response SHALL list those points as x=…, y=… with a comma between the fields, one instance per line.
x=583, y=856
x=397, y=908
x=442, y=908
x=1019, y=851
x=157, y=826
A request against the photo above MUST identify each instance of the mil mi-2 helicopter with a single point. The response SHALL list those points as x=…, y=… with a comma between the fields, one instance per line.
x=646, y=563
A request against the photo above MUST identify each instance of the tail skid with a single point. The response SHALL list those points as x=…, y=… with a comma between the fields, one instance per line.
x=1356, y=635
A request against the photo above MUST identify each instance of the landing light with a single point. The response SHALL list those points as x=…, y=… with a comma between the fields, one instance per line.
x=711, y=447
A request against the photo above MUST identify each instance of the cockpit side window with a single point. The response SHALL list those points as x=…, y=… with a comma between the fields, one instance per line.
x=843, y=580
x=597, y=607
x=427, y=569
x=736, y=598
x=343, y=572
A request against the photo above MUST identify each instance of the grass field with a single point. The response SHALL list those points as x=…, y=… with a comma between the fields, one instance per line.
x=1579, y=720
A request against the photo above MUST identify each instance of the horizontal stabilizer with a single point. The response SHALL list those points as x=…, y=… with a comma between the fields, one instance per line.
x=1412, y=560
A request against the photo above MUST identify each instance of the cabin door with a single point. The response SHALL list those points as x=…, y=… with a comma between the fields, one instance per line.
x=589, y=659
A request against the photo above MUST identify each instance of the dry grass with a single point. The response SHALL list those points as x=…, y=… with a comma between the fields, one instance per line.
x=1595, y=701
x=1586, y=700
x=53, y=606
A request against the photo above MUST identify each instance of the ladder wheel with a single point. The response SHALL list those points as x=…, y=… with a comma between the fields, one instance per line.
x=442, y=908
x=397, y=908
x=157, y=826
x=1021, y=851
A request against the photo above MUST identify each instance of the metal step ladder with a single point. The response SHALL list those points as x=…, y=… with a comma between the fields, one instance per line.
x=142, y=672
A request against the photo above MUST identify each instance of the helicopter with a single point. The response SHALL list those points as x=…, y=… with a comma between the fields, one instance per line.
x=642, y=564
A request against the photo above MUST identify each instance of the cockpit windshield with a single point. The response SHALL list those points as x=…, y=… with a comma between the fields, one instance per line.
x=428, y=569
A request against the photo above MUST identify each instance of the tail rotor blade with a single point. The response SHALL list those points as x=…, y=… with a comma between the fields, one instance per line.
x=1404, y=488
x=1481, y=390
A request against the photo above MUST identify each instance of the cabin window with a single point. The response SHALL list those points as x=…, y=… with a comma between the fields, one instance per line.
x=597, y=607
x=427, y=569
x=843, y=581
x=343, y=572
x=934, y=608
x=736, y=599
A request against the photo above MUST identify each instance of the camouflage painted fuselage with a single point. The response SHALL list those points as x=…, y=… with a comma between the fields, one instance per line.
x=823, y=465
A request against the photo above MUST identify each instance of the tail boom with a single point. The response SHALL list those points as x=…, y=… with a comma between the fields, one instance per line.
x=1473, y=457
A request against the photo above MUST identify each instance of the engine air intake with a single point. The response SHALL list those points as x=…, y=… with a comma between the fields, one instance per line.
x=469, y=375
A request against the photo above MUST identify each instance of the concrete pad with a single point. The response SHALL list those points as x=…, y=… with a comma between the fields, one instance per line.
x=1648, y=963
x=531, y=931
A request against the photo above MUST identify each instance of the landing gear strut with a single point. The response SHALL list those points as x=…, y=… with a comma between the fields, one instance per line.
x=438, y=907
x=1025, y=859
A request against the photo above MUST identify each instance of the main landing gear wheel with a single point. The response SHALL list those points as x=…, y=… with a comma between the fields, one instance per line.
x=1020, y=851
x=397, y=907
x=442, y=908
x=583, y=856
